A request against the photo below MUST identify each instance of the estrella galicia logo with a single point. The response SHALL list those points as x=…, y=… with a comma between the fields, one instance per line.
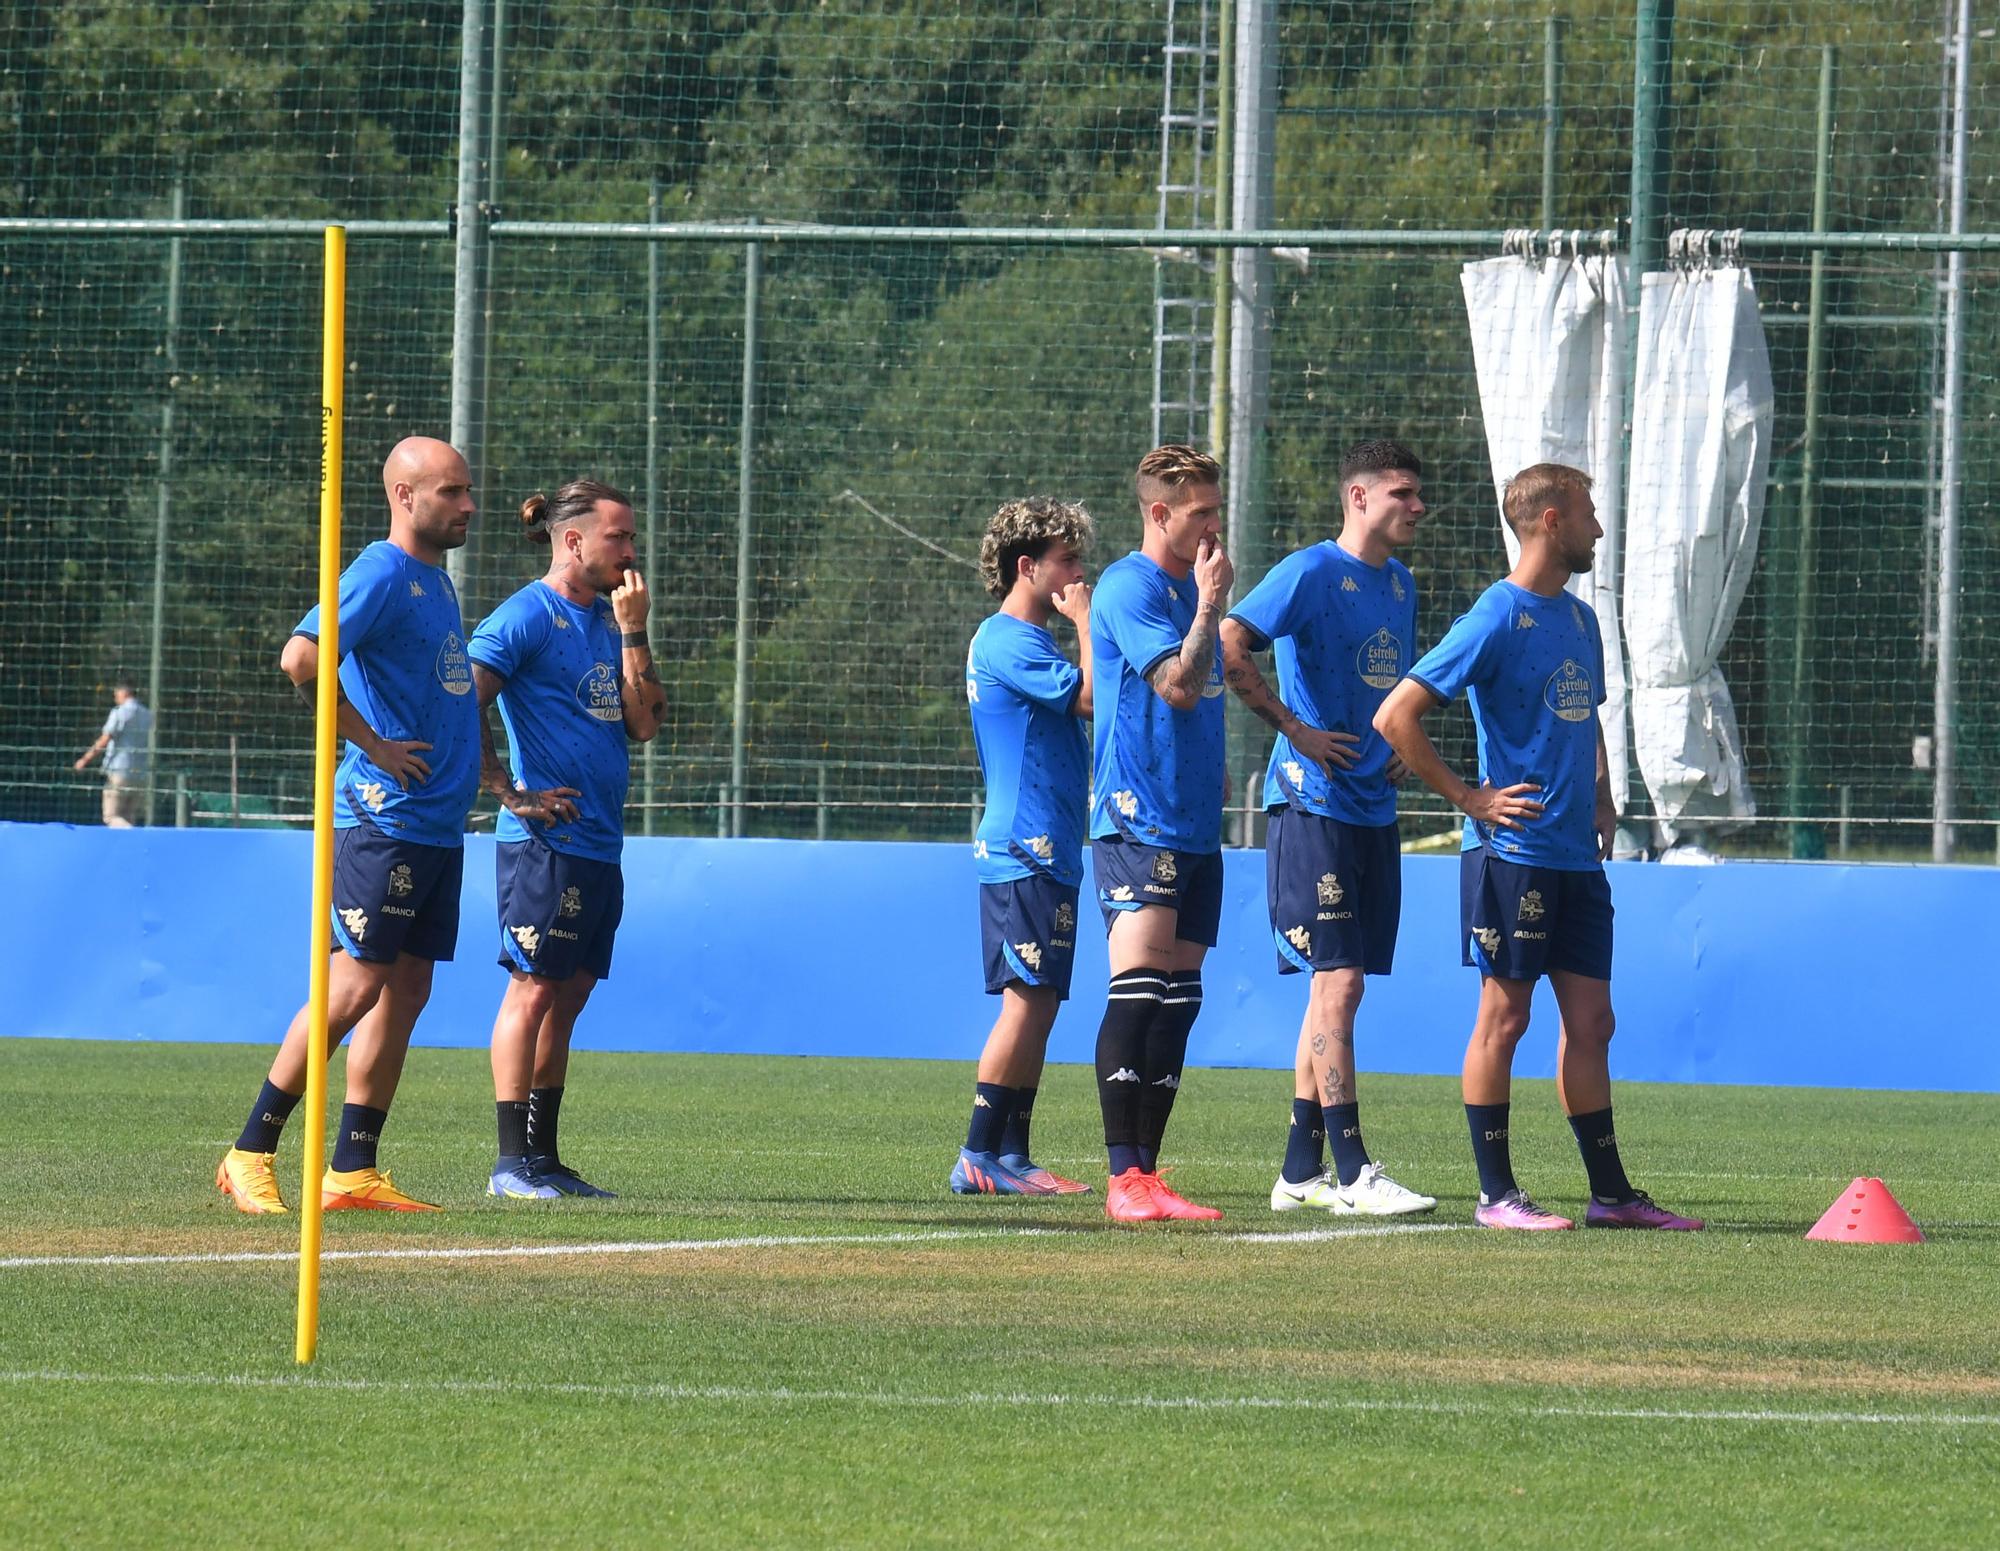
x=1380, y=660
x=454, y=668
x=597, y=693
x=1569, y=692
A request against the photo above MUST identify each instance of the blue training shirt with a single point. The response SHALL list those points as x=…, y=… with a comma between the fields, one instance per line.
x=1533, y=669
x=1157, y=777
x=1022, y=692
x=1345, y=632
x=403, y=665
x=564, y=710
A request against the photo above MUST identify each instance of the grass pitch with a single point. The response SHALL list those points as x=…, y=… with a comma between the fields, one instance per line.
x=823, y=1347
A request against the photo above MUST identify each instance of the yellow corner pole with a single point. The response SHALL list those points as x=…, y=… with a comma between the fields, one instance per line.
x=333, y=355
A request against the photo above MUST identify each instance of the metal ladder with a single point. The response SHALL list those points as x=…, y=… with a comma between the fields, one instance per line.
x=1183, y=279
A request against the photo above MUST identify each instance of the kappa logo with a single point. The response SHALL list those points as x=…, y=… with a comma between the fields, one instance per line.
x=1173, y=595
x=561, y=623
x=400, y=881
x=979, y=1101
x=1524, y=622
x=1042, y=846
x=1065, y=917
x=1165, y=869
x=1347, y=584
x=1531, y=907
x=1294, y=772
x=1330, y=891
x=1170, y=1082
x=1122, y=895
x=1126, y=804
x=529, y=939
x=1576, y=614
x=1123, y=1074
x=1396, y=586
x=1489, y=939
x=571, y=903
x=1031, y=954
x=1299, y=938
x=356, y=922
x=373, y=793
x=416, y=588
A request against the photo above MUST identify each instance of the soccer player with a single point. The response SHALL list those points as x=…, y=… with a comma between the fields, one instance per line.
x=405, y=784
x=568, y=660
x=1342, y=615
x=1026, y=700
x=1533, y=898
x=1156, y=810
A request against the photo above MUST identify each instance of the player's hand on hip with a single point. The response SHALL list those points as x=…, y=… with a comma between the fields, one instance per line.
x=1331, y=750
x=1213, y=574
x=1396, y=770
x=401, y=760
x=1073, y=603
x=631, y=603
x=1504, y=806
x=553, y=806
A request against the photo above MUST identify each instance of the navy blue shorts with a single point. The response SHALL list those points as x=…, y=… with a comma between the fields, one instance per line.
x=558, y=913
x=1335, y=892
x=1520, y=922
x=394, y=896
x=1131, y=876
x=1027, y=929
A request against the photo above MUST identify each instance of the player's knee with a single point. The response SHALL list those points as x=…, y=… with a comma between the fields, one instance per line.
x=1501, y=1027
x=1594, y=1029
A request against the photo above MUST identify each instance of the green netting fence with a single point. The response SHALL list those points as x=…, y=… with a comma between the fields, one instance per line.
x=816, y=420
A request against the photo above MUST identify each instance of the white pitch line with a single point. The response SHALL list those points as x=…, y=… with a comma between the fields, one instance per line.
x=678, y=1246
x=785, y=1395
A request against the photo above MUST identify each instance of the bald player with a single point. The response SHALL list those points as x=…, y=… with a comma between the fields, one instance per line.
x=405, y=784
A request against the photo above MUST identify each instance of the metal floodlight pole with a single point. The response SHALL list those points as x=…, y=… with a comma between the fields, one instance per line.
x=1809, y=473
x=468, y=274
x=651, y=557
x=1552, y=33
x=170, y=369
x=746, y=454
x=1252, y=167
x=483, y=477
x=1224, y=216
x=1944, y=763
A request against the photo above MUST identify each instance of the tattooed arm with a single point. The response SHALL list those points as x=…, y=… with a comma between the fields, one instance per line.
x=1328, y=748
x=640, y=692
x=1180, y=679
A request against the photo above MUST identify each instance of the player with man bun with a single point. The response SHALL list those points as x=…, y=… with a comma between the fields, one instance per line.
x=568, y=659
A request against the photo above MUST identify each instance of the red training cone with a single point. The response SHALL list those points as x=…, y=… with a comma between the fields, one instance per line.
x=1866, y=1213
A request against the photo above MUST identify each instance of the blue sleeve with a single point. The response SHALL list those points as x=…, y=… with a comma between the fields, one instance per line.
x=1134, y=619
x=365, y=590
x=1273, y=607
x=1462, y=658
x=507, y=638
x=1035, y=670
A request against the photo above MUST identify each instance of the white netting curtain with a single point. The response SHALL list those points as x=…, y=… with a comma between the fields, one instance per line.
x=1701, y=444
x=1547, y=342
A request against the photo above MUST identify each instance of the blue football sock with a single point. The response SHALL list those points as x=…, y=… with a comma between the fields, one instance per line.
x=1303, y=1150
x=1599, y=1145
x=360, y=1134
x=1488, y=1123
x=990, y=1106
x=267, y=1119
x=1014, y=1140
x=1343, y=1135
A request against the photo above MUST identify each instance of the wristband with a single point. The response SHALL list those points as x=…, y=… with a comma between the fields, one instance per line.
x=635, y=638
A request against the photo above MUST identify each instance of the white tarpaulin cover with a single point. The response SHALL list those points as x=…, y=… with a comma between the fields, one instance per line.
x=1547, y=342
x=1701, y=445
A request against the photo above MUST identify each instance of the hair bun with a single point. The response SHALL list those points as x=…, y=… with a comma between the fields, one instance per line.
x=535, y=518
